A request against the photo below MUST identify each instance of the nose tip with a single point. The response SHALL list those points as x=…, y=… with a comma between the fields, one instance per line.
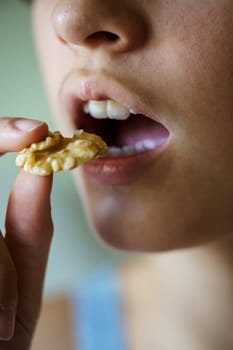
x=93, y=24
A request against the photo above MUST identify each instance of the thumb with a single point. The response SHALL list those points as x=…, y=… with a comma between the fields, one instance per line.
x=17, y=133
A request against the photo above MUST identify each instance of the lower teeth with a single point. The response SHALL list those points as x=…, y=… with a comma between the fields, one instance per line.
x=124, y=151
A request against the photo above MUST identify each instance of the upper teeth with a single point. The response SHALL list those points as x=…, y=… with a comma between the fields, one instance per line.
x=107, y=109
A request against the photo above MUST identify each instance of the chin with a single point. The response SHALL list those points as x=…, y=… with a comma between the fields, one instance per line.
x=126, y=230
x=133, y=219
x=157, y=239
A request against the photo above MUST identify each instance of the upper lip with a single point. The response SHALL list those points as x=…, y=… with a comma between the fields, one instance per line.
x=82, y=86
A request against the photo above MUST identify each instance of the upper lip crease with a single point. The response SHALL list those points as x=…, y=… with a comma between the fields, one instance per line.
x=80, y=87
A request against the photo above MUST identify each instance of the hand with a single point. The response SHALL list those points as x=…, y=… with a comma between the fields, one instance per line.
x=24, y=249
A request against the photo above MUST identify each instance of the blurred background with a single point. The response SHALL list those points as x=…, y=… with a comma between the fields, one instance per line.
x=75, y=252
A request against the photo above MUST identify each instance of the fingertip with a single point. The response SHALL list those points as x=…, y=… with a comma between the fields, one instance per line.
x=17, y=133
x=29, y=209
x=31, y=183
x=28, y=125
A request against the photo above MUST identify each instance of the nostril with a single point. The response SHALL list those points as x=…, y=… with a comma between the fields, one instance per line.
x=96, y=39
x=101, y=37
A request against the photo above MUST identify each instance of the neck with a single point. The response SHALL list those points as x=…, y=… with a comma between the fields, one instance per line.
x=193, y=297
x=198, y=286
x=207, y=269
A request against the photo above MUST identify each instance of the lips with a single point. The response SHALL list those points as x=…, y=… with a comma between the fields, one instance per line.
x=133, y=143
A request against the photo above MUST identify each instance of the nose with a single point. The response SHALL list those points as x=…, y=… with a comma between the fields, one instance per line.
x=111, y=25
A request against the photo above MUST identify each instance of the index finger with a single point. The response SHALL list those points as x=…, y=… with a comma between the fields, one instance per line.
x=17, y=133
x=29, y=230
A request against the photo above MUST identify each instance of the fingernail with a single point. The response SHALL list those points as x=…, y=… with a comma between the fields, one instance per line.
x=27, y=124
x=7, y=322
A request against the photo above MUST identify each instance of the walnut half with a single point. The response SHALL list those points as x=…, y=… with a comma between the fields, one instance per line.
x=57, y=153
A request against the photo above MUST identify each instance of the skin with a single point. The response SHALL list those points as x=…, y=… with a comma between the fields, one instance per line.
x=177, y=57
x=184, y=69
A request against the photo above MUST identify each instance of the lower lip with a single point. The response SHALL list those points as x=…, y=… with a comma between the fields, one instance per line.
x=122, y=170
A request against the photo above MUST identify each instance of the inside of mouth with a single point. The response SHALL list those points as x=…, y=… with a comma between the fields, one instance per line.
x=137, y=132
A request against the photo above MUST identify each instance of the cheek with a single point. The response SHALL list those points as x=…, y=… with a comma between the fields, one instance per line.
x=196, y=89
x=193, y=56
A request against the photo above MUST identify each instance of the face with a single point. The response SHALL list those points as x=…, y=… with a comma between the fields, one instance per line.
x=168, y=179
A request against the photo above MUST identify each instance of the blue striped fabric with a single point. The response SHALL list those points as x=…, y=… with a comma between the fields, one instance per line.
x=98, y=316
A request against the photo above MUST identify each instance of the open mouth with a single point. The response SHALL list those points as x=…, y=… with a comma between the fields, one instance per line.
x=126, y=132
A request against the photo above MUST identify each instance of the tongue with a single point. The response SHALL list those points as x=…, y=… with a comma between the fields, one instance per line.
x=139, y=129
